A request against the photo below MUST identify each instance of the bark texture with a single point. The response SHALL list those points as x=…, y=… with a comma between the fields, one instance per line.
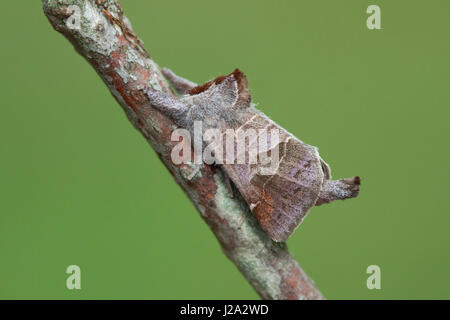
x=106, y=39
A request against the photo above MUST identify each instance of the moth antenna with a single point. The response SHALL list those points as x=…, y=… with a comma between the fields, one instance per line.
x=338, y=190
x=171, y=107
x=180, y=84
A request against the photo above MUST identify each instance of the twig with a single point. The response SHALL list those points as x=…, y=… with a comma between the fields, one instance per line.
x=105, y=38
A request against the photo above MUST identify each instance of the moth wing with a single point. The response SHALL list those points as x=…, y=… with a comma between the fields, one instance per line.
x=280, y=201
x=291, y=192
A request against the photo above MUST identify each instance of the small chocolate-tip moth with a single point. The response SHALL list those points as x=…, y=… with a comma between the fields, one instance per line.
x=281, y=200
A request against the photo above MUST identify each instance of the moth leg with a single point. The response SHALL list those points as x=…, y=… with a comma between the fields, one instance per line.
x=194, y=172
x=171, y=107
x=190, y=171
x=338, y=190
x=228, y=183
x=181, y=85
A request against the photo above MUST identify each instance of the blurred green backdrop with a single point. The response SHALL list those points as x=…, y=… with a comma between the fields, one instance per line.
x=78, y=185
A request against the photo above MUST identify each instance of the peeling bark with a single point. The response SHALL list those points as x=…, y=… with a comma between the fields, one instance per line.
x=106, y=39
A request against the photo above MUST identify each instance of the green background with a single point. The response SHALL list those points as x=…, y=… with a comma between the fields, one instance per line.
x=78, y=185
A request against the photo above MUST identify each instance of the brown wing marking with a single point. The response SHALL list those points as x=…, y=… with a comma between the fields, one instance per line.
x=288, y=195
x=281, y=201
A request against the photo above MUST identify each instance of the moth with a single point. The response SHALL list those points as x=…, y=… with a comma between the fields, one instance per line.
x=279, y=200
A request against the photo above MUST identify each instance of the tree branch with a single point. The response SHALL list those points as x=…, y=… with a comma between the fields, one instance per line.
x=105, y=38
